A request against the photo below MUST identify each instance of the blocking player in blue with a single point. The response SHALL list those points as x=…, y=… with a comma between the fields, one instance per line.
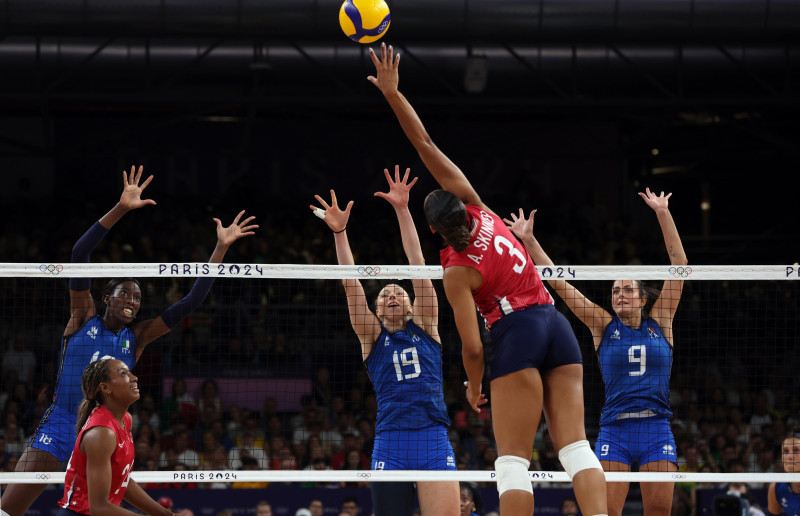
x=90, y=336
x=401, y=347
x=784, y=497
x=634, y=347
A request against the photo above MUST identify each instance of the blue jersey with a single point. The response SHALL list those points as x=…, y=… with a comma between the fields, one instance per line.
x=91, y=342
x=636, y=364
x=406, y=370
x=789, y=500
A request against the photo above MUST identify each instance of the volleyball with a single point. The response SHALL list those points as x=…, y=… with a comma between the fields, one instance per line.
x=364, y=21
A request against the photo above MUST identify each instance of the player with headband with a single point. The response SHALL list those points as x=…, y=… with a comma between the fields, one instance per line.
x=89, y=336
x=536, y=361
x=634, y=347
x=401, y=347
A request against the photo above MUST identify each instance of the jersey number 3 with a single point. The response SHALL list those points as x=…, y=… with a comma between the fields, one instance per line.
x=405, y=358
x=500, y=242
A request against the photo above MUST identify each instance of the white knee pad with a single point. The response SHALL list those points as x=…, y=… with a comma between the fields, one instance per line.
x=578, y=456
x=512, y=473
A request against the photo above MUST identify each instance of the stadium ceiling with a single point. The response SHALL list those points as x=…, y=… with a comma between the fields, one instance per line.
x=226, y=55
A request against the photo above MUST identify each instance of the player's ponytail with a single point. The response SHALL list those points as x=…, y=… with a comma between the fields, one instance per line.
x=447, y=215
x=95, y=373
x=650, y=294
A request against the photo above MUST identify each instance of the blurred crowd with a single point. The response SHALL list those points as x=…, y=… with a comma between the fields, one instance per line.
x=733, y=388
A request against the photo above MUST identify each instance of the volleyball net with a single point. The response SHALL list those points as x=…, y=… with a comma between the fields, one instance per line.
x=266, y=381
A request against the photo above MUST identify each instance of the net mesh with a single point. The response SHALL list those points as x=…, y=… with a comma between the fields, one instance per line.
x=266, y=383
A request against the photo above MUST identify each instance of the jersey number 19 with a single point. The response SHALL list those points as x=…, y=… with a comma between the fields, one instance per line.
x=406, y=358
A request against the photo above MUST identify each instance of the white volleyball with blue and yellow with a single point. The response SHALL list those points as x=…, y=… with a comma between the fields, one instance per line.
x=364, y=21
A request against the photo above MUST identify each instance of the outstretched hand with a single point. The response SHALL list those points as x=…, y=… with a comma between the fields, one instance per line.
x=398, y=189
x=131, y=197
x=657, y=202
x=335, y=218
x=385, y=69
x=228, y=235
x=519, y=225
x=475, y=397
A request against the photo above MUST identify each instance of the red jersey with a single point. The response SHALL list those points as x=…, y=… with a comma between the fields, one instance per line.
x=510, y=280
x=76, y=493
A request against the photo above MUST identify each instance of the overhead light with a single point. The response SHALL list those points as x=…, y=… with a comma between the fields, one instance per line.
x=475, y=74
x=669, y=170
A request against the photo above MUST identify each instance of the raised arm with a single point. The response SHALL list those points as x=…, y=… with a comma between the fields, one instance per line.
x=81, y=303
x=666, y=305
x=426, y=304
x=590, y=314
x=363, y=321
x=149, y=330
x=446, y=173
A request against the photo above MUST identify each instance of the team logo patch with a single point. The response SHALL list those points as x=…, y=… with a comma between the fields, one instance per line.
x=652, y=332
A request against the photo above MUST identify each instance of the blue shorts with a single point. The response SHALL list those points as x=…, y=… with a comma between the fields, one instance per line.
x=427, y=449
x=539, y=336
x=636, y=440
x=55, y=434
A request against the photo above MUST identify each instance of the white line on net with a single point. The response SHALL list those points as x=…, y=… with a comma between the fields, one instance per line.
x=394, y=476
x=295, y=271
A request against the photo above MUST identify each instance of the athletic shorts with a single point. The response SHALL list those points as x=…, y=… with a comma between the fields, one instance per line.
x=427, y=449
x=539, y=336
x=636, y=440
x=56, y=434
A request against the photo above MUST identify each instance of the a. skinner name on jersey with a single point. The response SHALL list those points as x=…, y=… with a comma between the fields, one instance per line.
x=484, y=238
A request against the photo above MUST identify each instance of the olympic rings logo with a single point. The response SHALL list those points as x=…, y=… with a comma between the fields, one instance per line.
x=369, y=271
x=51, y=269
x=364, y=475
x=679, y=476
x=680, y=272
x=43, y=476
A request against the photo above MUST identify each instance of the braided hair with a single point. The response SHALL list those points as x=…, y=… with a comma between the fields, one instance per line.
x=95, y=373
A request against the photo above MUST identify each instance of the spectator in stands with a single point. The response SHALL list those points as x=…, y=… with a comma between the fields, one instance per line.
x=760, y=415
x=209, y=397
x=20, y=358
x=208, y=444
x=248, y=449
x=350, y=506
x=15, y=440
x=263, y=509
x=234, y=422
x=312, y=425
x=171, y=405
x=180, y=452
x=323, y=394
x=316, y=508
x=341, y=459
x=569, y=507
